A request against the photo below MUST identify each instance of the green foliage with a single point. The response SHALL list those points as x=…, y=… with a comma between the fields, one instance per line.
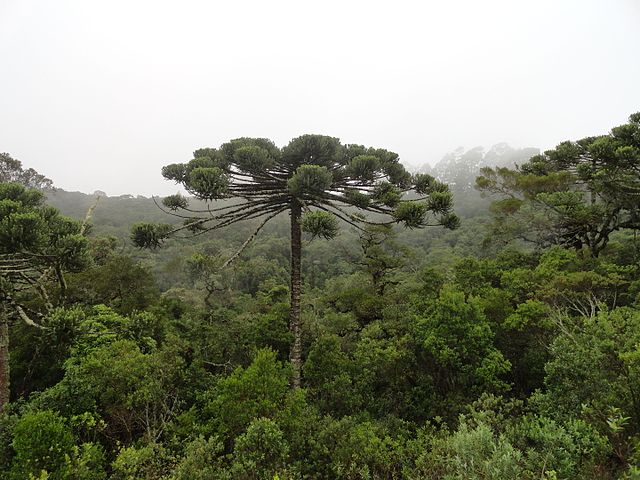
x=148, y=462
x=320, y=224
x=86, y=462
x=116, y=380
x=27, y=225
x=486, y=445
x=37, y=247
x=456, y=335
x=470, y=453
x=595, y=367
x=164, y=365
x=203, y=460
x=352, y=294
x=175, y=202
x=261, y=452
x=41, y=440
x=309, y=181
x=146, y=235
x=412, y=214
x=352, y=449
x=571, y=451
x=424, y=183
x=385, y=193
x=440, y=202
x=449, y=220
x=531, y=312
x=207, y=183
x=358, y=199
x=312, y=172
x=330, y=377
x=364, y=166
x=260, y=390
x=586, y=190
x=253, y=158
x=382, y=256
x=11, y=170
x=120, y=283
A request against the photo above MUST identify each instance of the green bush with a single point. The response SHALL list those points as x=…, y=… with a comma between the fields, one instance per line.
x=41, y=441
x=261, y=452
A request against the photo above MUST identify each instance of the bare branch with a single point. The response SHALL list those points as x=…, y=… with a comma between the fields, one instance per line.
x=250, y=239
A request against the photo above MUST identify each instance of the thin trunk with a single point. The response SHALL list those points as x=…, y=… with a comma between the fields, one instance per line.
x=4, y=359
x=295, y=354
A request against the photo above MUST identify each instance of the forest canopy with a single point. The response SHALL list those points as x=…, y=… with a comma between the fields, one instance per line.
x=299, y=323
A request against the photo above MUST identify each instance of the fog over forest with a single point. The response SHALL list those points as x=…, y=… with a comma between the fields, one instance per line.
x=319, y=241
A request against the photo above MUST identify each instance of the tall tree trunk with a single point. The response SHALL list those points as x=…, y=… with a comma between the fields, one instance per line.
x=295, y=354
x=4, y=358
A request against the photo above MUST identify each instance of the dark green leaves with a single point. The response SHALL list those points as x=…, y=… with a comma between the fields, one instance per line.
x=205, y=158
x=252, y=158
x=565, y=154
x=412, y=214
x=320, y=224
x=235, y=151
x=357, y=199
x=450, y=221
x=311, y=150
x=207, y=183
x=26, y=225
x=7, y=207
x=386, y=193
x=205, y=153
x=72, y=250
x=21, y=231
x=440, y=202
x=310, y=180
x=175, y=171
x=582, y=191
x=364, y=167
x=397, y=174
x=422, y=183
x=425, y=184
x=175, y=202
x=147, y=235
x=25, y=196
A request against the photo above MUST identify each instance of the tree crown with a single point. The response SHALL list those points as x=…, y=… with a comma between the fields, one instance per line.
x=587, y=188
x=316, y=172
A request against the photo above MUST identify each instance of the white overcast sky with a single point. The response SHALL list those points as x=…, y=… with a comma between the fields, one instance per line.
x=102, y=94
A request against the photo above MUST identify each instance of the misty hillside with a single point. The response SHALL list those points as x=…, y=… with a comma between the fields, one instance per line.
x=461, y=167
x=231, y=247
x=459, y=320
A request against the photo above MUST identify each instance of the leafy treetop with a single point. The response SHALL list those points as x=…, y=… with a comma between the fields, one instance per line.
x=11, y=171
x=588, y=188
x=36, y=244
x=322, y=175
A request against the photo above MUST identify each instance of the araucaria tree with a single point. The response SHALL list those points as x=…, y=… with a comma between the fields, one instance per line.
x=318, y=180
x=37, y=245
x=575, y=195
